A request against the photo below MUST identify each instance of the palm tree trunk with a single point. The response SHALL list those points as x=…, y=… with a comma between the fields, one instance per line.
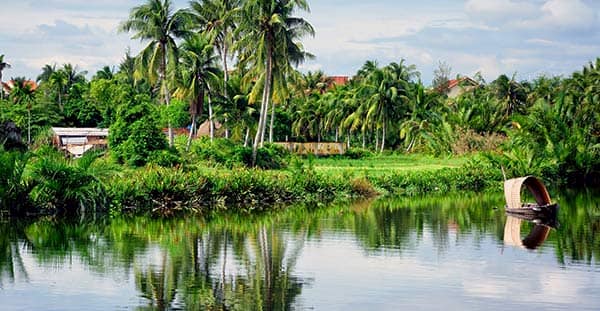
x=383, y=130
x=259, y=138
x=163, y=83
x=348, y=144
x=225, y=80
x=192, y=130
x=28, y=126
x=364, y=140
x=247, y=137
x=337, y=133
x=60, y=100
x=272, y=122
x=376, y=139
x=210, y=119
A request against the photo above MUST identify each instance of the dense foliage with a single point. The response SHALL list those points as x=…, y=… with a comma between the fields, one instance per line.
x=548, y=127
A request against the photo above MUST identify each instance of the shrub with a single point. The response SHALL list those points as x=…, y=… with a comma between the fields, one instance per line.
x=362, y=187
x=225, y=152
x=66, y=186
x=165, y=158
x=135, y=134
x=358, y=153
x=14, y=188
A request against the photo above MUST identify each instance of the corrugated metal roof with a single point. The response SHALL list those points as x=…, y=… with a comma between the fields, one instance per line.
x=83, y=131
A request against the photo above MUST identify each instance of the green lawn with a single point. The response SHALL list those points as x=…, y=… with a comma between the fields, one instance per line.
x=383, y=164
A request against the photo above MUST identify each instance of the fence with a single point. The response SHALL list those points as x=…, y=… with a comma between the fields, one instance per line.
x=315, y=148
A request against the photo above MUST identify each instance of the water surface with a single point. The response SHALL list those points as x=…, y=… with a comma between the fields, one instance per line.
x=455, y=253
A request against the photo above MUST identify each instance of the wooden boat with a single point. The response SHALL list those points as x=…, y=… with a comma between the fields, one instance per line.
x=543, y=205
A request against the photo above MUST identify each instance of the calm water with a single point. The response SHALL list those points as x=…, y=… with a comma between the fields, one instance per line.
x=454, y=253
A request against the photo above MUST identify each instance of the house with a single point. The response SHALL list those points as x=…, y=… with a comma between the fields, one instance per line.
x=76, y=141
x=9, y=85
x=458, y=86
x=204, y=128
x=337, y=81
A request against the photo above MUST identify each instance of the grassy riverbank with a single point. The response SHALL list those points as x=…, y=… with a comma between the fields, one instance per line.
x=201, y=189
x=45, y=182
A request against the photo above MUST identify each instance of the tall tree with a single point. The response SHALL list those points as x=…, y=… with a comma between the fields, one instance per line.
x=156, y=22
x=106, y=73
x=218, y=19
x=387, y=90
x=47, y=72
x=3, y=65
x=441, y=76
x=23, y=93
x=269, y=42
x=198, y=63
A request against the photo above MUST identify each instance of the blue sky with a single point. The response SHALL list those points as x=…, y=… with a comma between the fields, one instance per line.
x=528, y=38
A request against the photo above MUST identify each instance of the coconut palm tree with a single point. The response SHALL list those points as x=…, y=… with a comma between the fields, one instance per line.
x=47, y=72
x=3, y=65
x=106, y=73
x=156, y=22
x=242, y=115
x=422, y=113
x=23, y=93
x=199, y=70
x=218, y=19
x=386, y=90
x=268, y=42
x=512, y=94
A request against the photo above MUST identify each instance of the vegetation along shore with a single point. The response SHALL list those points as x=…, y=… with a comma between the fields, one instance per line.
x=193, y=119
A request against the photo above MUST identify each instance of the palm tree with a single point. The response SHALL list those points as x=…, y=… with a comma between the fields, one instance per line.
x=241, y=114
x=155, y=22
x=47, y=72
x=106, y=73
x=3, y=65
x=23, y=93
x=58, y=80
x=386, y=90
x=217, y=18
x=512, y=93
x=422, y=114
x=269, y=35
x=198, y=63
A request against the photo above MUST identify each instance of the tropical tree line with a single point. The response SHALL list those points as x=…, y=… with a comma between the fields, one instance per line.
x=233, y=63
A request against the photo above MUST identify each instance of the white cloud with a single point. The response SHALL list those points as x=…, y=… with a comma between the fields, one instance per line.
x=568, y=13
x=499, y=9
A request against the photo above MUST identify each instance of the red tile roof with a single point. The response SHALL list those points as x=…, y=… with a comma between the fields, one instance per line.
x=454, y=82
x=339, y=80
x=8, y=86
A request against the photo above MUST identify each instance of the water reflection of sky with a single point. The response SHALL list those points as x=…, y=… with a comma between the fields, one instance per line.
x=469, y=274
x=381, y=257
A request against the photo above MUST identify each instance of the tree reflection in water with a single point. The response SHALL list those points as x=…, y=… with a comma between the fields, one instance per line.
x=249, y=262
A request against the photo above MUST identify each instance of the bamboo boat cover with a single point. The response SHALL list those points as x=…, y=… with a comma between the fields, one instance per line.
x=512, y=191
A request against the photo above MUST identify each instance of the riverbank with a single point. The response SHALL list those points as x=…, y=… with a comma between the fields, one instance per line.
x=44, y=182
x=166, y=191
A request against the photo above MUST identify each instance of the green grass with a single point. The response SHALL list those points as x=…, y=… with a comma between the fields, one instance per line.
x=385, y=164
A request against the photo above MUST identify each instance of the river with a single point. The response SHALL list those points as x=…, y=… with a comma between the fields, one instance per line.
x=459, y=252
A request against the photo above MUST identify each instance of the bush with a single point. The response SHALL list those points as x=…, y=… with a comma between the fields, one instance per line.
x=165, y=158
x=66, y=186
x=14, y=188
x=225, y=152
x=358, y=153
x=271, y=157
x=135, y=135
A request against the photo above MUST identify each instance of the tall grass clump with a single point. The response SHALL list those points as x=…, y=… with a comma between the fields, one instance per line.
x=478, y=175
x=224, y=152
x=65, y=185
x=14, y=187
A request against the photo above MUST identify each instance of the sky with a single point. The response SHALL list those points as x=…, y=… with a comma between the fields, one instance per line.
x=528, y=38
